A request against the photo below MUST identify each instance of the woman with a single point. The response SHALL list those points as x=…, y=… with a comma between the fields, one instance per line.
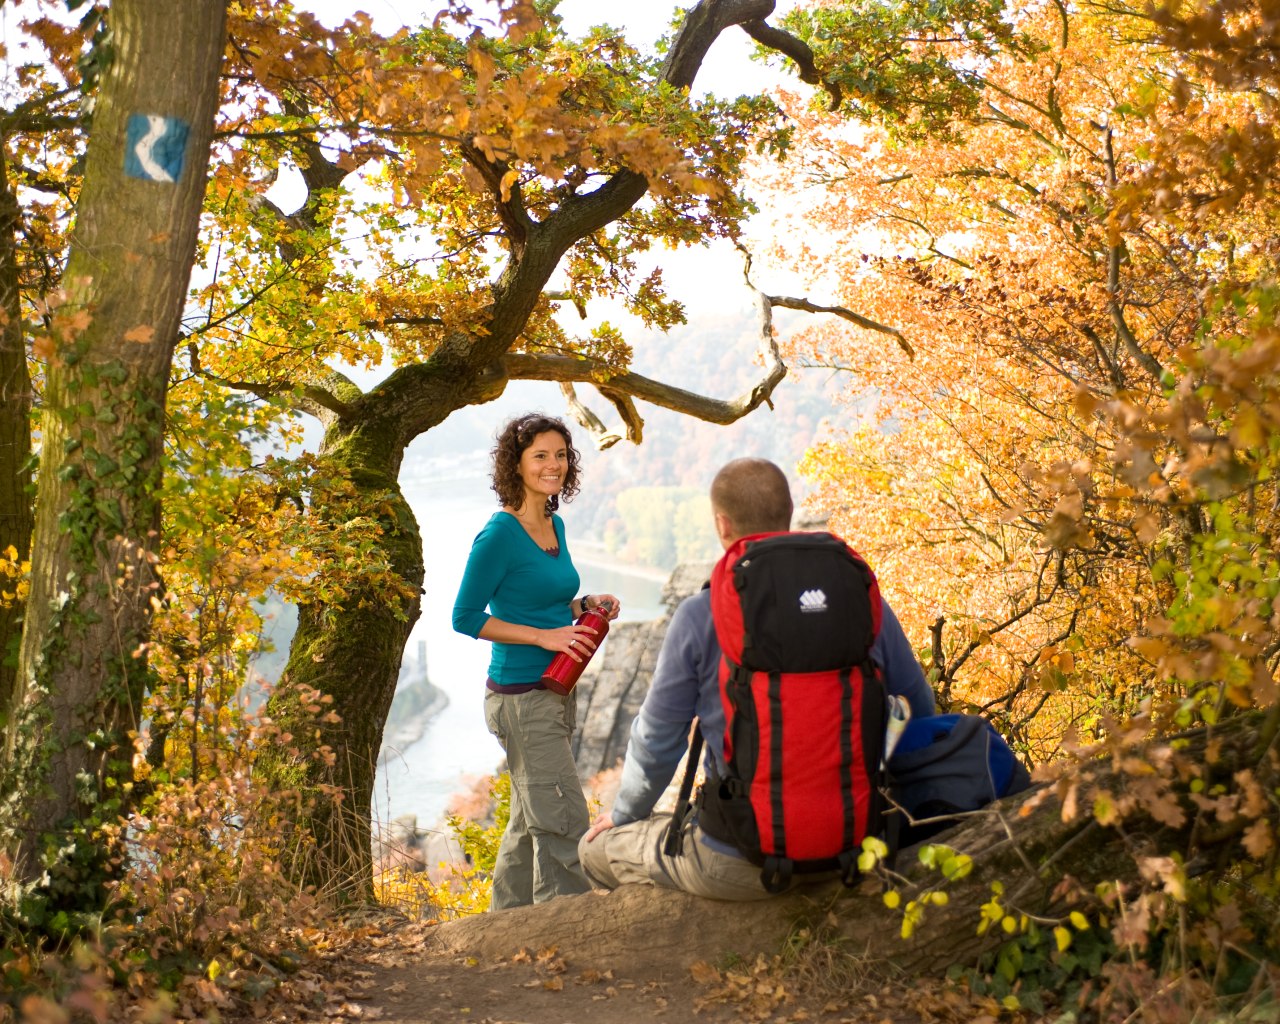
x=520, y=591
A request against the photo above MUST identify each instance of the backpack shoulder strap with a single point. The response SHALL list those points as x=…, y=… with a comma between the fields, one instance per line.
x=673, y=841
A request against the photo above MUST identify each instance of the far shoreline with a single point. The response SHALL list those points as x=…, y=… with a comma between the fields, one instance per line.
x=597, y=556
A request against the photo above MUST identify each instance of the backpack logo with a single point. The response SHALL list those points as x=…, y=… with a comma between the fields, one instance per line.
x=813, y=601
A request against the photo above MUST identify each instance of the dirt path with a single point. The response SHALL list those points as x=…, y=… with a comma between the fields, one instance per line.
x=390, y=972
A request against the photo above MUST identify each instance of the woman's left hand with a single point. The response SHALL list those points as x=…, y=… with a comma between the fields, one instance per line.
x=615, y=606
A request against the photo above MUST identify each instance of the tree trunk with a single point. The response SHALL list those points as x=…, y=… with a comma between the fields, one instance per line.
x=350, y=653
x=81, y=676
x=1022, y=842
x=16, y=516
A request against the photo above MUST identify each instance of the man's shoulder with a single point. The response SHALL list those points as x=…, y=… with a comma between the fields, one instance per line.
x=695, y=608
x=691, y=625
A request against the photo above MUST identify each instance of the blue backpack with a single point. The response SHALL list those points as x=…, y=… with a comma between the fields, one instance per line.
x=945, y=765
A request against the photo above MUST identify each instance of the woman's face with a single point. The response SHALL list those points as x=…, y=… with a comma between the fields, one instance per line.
x=543, y=466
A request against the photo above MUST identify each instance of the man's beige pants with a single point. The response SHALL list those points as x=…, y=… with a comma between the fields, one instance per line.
x=633, y=853
x=538, y=856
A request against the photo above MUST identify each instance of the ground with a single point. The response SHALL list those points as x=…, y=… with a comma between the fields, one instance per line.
x=390, y=972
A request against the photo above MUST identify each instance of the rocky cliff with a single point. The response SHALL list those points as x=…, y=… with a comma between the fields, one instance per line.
x=613, y=687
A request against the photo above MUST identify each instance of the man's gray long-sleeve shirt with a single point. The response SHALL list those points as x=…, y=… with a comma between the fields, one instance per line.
x=686, y=684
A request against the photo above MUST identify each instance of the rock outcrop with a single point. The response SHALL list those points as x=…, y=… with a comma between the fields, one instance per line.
x=613, y=687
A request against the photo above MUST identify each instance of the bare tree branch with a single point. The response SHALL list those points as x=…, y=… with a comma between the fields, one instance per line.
x=787, y=302
x=574, y=369
x=630, y=416
x=600, y=434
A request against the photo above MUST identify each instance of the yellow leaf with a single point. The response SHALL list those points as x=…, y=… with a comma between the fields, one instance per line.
x=1080, y=921
x=1105, y=811
x=142, y=334
x=1063, y=937
x=892, y=899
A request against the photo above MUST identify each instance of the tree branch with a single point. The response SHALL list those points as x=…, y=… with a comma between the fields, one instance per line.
x=520, y=366
x=791, y=46
x=600, y=434
x=627, y=412
x=515, y=219
x=787, y=302
x=317, y=395
x=561, y=296
x=319, y=173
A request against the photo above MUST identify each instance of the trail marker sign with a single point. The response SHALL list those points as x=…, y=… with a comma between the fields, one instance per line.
x=155, y=148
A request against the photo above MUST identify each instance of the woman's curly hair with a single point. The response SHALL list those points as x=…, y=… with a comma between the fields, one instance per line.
x=514, y=438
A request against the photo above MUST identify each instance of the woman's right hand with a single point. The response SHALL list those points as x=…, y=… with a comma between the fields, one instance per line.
x=576, y=641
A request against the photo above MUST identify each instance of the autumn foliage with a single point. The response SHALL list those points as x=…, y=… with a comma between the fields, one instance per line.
x=1072, y=485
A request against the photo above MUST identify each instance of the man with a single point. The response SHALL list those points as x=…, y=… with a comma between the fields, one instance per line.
x=748, y=496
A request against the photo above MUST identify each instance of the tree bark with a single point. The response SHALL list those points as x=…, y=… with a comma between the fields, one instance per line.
x=16, y=511
x=81, y=671
x=1023, y=842
x=351, y=652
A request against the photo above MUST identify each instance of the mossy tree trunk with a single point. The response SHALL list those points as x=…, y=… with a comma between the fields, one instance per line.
x=81, y=669
x=350, y=653
x=344, y=661
x=16, y=514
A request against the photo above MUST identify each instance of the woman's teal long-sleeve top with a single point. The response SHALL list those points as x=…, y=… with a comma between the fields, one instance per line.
x=509, y=577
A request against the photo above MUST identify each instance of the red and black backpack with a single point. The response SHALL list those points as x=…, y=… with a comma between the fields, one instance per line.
x=805, y=706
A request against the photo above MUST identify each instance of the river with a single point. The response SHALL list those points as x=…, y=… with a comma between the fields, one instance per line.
x=451, y=505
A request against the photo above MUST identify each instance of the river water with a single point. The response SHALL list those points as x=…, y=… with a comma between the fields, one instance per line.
x=455, y=748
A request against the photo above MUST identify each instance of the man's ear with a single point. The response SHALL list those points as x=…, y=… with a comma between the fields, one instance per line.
x=724, y=529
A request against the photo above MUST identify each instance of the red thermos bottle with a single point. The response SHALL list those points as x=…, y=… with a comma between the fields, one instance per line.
x=563, y=672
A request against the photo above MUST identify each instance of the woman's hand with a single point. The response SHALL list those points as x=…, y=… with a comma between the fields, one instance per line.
x=576, y=641
x=615, y=606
